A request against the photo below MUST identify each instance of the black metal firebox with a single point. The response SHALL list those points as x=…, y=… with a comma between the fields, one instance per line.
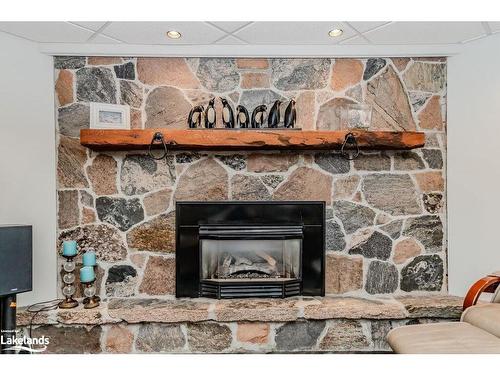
x=250, y=249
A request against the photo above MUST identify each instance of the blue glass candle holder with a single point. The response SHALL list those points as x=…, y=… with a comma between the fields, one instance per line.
x=87, y=274
x=89, y=258
x=69, y=252
x=69, y=249
x=87, y=277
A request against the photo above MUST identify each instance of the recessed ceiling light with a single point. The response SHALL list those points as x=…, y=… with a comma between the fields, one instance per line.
x=335, y=32
x=172, y=34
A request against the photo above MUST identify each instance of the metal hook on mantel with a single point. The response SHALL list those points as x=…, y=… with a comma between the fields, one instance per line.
x=158, y=137
x=350, y=140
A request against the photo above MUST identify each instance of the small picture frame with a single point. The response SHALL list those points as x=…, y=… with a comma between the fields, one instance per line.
x=109, y=116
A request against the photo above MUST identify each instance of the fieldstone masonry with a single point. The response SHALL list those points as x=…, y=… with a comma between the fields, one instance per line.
x=386, y=211
x=298, y=324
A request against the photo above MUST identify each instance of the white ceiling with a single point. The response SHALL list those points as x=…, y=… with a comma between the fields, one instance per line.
x=226, y=36
x=254, y=33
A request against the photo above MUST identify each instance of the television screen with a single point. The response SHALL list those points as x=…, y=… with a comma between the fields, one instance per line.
x=16, y=254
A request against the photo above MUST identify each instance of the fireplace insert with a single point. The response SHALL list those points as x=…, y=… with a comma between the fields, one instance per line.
x=249, y=249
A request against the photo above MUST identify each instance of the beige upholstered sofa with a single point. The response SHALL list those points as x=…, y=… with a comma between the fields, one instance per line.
x=477, y=332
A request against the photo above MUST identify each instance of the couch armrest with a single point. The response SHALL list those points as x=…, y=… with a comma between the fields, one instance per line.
x=486, y=284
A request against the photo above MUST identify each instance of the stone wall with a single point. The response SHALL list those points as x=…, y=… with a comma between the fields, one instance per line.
x=386, y=225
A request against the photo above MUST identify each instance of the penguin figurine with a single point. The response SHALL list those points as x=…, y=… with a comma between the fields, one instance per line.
x=242, y=117
x=290, y=115
x=195, y=116
x=258, y=116
x=227, y=114
x=210, y=115
x=274, y=115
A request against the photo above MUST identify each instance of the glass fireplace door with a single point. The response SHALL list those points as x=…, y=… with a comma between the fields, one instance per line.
x=239, y=254
x=250, y=259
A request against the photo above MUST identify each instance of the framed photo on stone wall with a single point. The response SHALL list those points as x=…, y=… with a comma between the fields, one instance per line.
x=109, y=116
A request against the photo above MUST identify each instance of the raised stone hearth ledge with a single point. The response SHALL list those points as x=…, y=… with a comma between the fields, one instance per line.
x=257, y=310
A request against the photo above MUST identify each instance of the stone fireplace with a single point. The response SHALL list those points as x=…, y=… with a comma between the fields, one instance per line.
x=250, y=249
x=385, y=250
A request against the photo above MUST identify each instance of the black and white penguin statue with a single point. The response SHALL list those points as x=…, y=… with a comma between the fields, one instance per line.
x=273, y=119
x=195, y=116
x=259, y=116
x=210, y=116
x=242, y=117
x=227, y=114
x=290, y=115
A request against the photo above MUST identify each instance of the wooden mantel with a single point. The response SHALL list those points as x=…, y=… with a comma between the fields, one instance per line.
x=248, y=139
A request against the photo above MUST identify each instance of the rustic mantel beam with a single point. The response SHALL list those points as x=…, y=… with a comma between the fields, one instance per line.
x=248, y=139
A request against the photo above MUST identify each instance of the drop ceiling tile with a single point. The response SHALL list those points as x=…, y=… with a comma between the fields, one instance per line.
x=293, y=32
x=366, y=26
x=230, y=26
x=50, y=32
x=357, y=41
x=425, y=32
x=90, y=25
x=230, y=40
x=103, y=39
x=494, y=26
x=155, y=32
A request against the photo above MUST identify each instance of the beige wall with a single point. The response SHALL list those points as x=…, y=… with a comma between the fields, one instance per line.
x=27, y=160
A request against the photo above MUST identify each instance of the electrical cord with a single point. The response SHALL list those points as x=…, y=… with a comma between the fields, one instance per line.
x=43, y=306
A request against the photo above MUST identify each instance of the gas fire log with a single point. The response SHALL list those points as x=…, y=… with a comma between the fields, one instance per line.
x=255, y=267
x=268, y=258
x=225, y=265
x=242, y=260
x=233, y=264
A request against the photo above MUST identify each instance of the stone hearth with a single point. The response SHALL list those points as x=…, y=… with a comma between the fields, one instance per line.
x=303, y=324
